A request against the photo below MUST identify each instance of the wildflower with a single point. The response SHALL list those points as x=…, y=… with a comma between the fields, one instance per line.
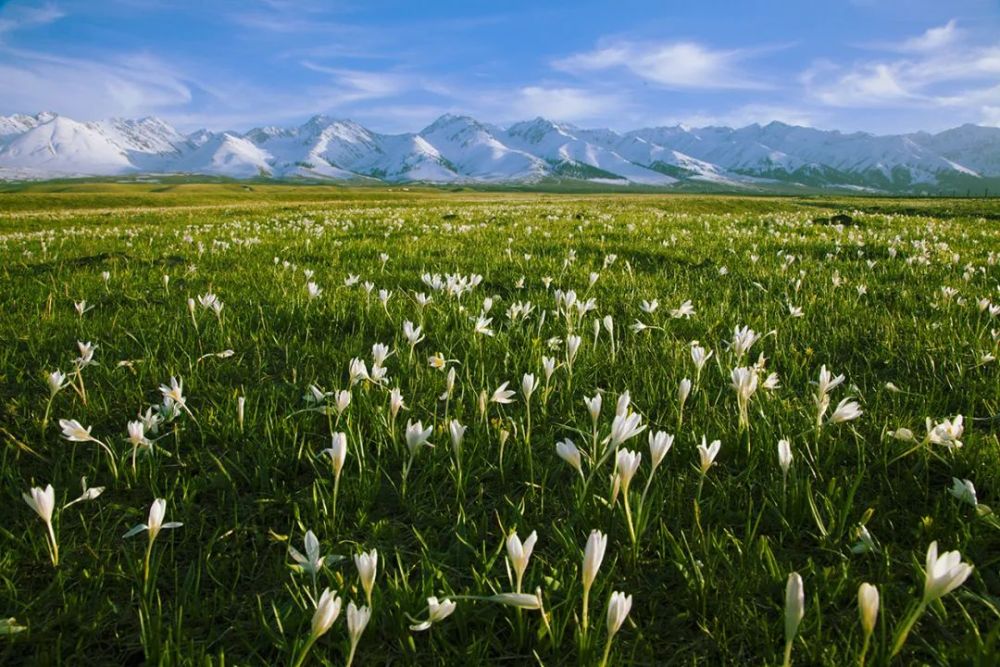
x=357, y=621
x=43, y=502
x=795, y=609
x=964, y=490
x=618, y=608
x=89, y=493
x=944, y=573
x=624, y=428
x=685, y=310
x=784, y=456
x=947, y=433
x=327, y=610
x=868, y=606
x=337, y=452
x=502, y=395
x=593, y=556
x=437, y=612
x=845, y=411
x=530, y=601
x=367, y=564
x=417, y=436
x=707, y=454
x=311, y=562
x=743, y=340
x=594, y=407
x=519, y=553
x=529, y=383
x=154, y=524
x=659, y=444
x=56, y=381
x=569, y=453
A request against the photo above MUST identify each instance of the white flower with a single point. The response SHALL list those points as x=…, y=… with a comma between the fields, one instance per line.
x=56, y=381
x=846, y=410
x=625, y=427
x=593, y=556
x=357, y=621
x=457, y=431
x=74, y=431
x=337, y=452
x=327, y=611
x=502, y=395
x=944, y=573
x=43, y=501
x=530, y=601
x=154, y=524
x=569, y=453
x=175, y=392
x=707, y=453
x=437, y=611
x=685, y=310
x=593, y=406
x=795, y=605
x=659, y=444
x=626, y=464
x=312, y=562
x=367, y=564
x=784, y=455
x=947, y=433
x=868, y=606
x=964, y=490
x=519, y=553
x=529, y=383
x=417, y=436
x=618, y=608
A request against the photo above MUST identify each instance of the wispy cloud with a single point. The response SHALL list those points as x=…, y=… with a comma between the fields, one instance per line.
x=678, y=64
x=132, y=84
x=14, y=16
x=563, y=103
x=931, y=70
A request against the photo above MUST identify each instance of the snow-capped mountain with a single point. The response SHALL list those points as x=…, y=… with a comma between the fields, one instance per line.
x=460, y=149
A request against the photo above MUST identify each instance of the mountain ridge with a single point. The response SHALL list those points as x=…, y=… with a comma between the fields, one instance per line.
x=462, y=150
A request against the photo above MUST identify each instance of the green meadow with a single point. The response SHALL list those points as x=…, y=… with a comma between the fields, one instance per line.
x=413, y=372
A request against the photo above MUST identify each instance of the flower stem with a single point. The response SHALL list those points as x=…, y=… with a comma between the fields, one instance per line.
x=904, y=629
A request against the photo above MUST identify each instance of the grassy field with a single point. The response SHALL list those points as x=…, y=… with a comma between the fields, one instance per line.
x=610, y=296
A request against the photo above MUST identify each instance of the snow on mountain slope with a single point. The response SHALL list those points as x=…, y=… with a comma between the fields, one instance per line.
x=974, y=147
x=475, y=153
x=226, y=154
x=462, y=149
x=62, y=146
x=572, y=155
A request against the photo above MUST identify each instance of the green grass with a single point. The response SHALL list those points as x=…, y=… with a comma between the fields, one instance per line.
x=707, y=576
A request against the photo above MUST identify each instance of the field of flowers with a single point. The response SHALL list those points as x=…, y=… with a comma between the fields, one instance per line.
x=480, y=430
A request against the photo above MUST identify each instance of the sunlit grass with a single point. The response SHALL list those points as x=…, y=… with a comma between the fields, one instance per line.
x=450, y=483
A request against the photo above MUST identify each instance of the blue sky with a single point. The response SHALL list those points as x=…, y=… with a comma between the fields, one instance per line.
x=875, y=65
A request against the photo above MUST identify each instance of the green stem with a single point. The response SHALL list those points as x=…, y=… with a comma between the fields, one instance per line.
x=305, y=651
x=788, y=655
x=607, y=651
x=904, y=630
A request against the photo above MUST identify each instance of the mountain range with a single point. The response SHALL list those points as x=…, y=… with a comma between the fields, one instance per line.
x=461, y=150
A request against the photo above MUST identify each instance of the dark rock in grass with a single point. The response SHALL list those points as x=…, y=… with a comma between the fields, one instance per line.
x=838, y=219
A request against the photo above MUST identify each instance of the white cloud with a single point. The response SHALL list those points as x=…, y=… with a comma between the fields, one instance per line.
x=681, y=64
x=933, y=39
x=132, y=85
x=932, y=70
x=567, y=104
x=14, y=16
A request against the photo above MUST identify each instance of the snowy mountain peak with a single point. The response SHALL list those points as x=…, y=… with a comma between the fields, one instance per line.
x=459, y=148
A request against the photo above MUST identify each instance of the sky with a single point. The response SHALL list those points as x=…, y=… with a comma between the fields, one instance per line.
x=881, y=66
